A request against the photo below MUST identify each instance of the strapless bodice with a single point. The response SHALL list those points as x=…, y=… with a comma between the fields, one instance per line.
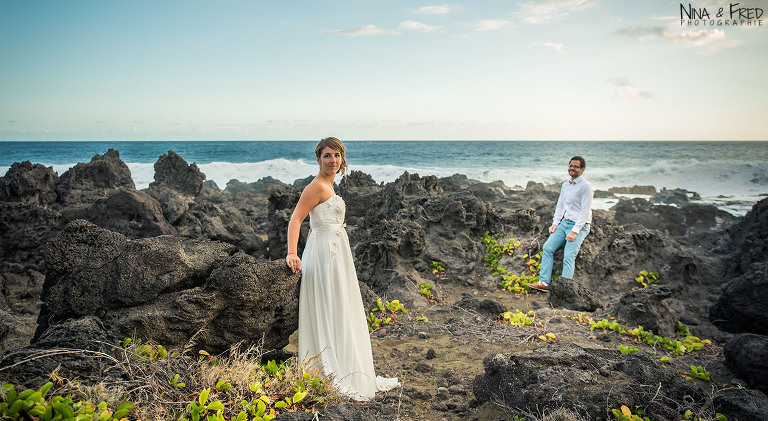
x=328, y=215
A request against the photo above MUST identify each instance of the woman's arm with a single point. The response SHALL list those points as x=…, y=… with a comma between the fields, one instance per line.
x=310, y=198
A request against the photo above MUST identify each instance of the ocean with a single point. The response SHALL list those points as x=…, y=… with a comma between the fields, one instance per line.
x=730, y=175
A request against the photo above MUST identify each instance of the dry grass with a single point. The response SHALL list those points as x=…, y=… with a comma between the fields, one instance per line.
x=135, y=375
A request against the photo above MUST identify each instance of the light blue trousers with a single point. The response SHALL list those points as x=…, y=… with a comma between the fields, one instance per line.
x=554, y=242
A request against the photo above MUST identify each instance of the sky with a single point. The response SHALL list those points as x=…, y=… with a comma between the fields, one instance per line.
x=383, y=70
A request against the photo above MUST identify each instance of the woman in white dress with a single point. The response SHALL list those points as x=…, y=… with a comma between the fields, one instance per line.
x=333, y=332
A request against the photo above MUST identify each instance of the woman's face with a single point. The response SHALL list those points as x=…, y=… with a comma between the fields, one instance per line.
x=330, y=160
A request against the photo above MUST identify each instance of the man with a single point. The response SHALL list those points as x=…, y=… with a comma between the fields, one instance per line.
x=570, y=225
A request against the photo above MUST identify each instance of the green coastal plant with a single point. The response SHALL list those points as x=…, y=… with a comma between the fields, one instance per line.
x=387, y=313
x=549, y=337
x=425, y=289
x=175, y=382
x=646, y=278
x=147, y=350
x=625, y=414
x=579, y=318
x=627, y=349
x=32, y=404
x=688, y=414
x=688, y=344
x=518, y=318
x=494, y=251
x=697, y=372
x=193, y=386
x=438, y=269
x=200, y=407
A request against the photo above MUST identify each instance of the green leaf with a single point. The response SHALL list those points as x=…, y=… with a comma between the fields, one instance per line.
x=37, y=410
x=10, y=393
x=216, y=406
x=123, y=409
x=260, y=407
x=203, y=398
x=281, y=404
x=299, y=396
x=63, y=409
x=46, y=387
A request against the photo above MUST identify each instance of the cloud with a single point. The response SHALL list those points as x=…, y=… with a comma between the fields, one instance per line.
x=710, y=41
x=362, y=31
x=541, y=11
x=434, y=10
x=489, y=25
x=629, y=91
x=413, y=26
x=555, y=46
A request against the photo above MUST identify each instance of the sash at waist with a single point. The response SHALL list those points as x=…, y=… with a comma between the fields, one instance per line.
x=328, y=227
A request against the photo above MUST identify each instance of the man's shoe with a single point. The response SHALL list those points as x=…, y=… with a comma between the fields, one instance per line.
x=540, y=286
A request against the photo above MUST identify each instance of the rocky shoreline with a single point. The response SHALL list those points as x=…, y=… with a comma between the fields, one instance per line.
x=86, y=256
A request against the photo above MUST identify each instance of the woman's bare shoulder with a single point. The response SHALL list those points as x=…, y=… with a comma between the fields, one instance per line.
x=319, y=190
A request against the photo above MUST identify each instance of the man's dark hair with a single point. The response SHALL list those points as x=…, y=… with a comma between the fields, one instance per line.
x=581, y=160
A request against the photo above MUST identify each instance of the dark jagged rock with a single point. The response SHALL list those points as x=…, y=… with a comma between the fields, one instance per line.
x=572, y=294
x=167, y=289
x=489, y=192
x=742, y=405
x=647, y=190
x=176, y=185
x=569, y=376
x=358, y=190
x=695, y=222
x=282, y=200
x=85, y=183
x=235, y=187
x=209, y=217
x=413, y=221
x=133, y=213
x=303, y=182
x=29, y=183
x=24, y=229
x=172, y=171
x=196, y=211
x=747, y=356
x=674, y=197
x=613, y=255
x=86, y=333
x=487, y=307
x=743, y=303
x=31, y=367
x=386, y=254
x=747, y=241
x=648, y=307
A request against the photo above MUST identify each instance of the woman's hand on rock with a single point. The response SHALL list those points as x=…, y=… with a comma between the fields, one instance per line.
x=293, y=262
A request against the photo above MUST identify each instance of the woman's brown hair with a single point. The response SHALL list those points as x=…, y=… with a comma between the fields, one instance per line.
x=335, y=144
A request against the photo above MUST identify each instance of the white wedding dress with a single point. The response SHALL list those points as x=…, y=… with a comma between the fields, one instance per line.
x=333, y=332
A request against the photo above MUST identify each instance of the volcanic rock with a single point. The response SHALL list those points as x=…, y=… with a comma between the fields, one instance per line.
x=569, y=376
x=167, y=289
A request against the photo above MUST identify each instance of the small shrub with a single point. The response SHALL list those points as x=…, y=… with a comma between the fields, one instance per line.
x=646, y=278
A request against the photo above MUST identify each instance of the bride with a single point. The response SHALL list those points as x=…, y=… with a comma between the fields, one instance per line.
x=333, y=332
